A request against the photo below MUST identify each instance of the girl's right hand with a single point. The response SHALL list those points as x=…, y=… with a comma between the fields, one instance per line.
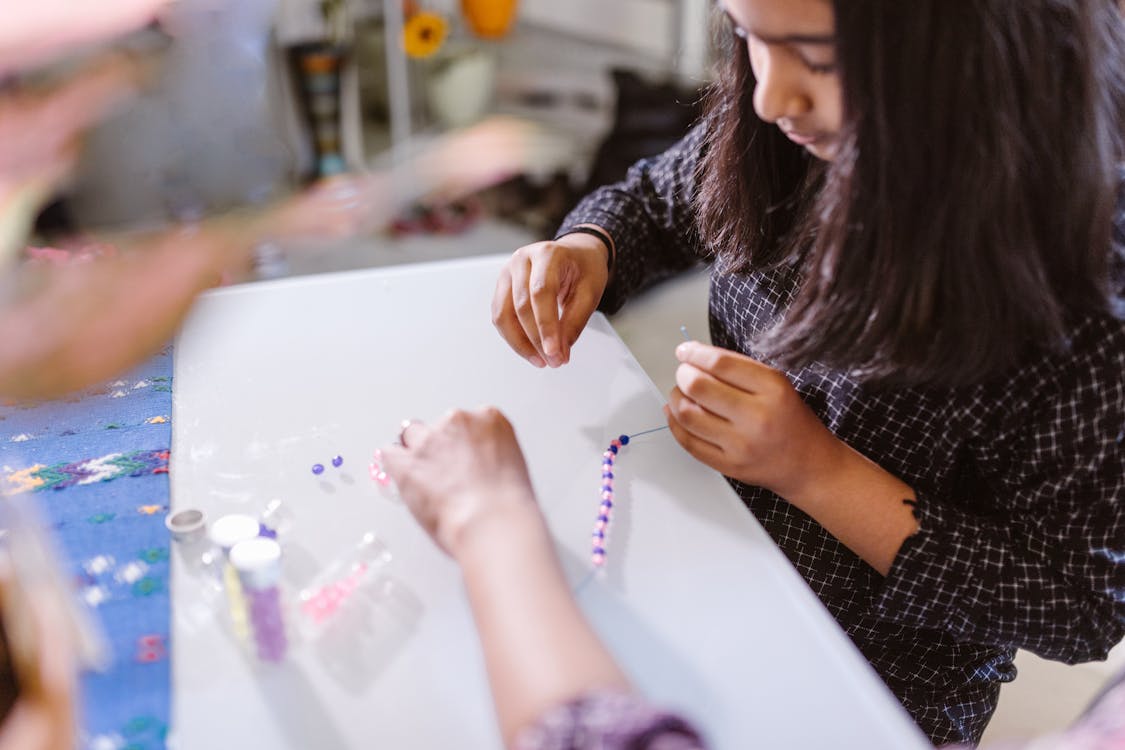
x=546, y=295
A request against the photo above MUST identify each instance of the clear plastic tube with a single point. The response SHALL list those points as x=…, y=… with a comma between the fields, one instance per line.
x=320, y=602
x=226, y=533
x=258, y=563
x=276, y=520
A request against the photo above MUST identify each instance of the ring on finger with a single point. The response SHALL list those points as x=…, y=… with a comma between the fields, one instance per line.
x=402, y=431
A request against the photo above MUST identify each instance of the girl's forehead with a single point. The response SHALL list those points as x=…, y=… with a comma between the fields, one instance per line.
x=783, y=18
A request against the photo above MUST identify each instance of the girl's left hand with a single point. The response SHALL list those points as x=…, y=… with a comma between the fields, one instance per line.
x=747, y=421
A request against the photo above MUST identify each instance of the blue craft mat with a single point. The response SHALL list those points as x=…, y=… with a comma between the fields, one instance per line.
x=112, y=533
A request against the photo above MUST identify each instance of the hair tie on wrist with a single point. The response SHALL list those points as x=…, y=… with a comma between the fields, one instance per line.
x=604, y=237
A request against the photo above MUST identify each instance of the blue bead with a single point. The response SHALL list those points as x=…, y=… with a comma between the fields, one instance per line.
x=599, y=535
x=599, y=550
x=338, y=461
x=607, y=475
x=613, y=449
x=318, y=469
x=607, y=503
x=603, y=517
x=607, y=488
x=624, y=439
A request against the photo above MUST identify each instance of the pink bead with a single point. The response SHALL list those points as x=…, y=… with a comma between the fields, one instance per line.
x=616, y=443
x=609, y=455
x=599, y=526
x=607, y=495
x=597, y=558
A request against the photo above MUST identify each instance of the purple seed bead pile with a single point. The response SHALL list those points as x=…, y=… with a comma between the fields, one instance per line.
x=267, y=622
x=338, y=461
x=318, y=469
x=605, y=510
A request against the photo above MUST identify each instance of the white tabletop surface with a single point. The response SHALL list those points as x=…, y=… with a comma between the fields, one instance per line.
x=701, y=609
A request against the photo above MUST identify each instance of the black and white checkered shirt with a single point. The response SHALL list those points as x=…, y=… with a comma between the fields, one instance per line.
x=1020, y=483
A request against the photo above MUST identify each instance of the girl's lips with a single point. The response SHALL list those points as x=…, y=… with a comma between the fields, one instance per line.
x=803, y=139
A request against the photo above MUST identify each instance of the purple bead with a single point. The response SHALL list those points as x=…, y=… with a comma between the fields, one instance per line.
x=603, y=517
x=607, y=475
x=318, y=469
x=599, y=550
x=624, y=439
x=598, y=535
x=337, y=461
x=607, y=504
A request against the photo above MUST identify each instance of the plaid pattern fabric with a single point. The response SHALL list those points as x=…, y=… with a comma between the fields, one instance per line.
x=1020, y=482
x=609, y=720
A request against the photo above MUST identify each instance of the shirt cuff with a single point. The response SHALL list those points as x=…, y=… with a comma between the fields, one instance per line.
x=928, y=571
x=609, y=720
x=620, y=285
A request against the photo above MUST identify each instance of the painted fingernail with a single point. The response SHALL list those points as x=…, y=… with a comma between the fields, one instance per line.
x=552, y=353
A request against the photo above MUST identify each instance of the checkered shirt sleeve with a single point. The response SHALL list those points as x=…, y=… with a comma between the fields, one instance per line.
x=609, y=720
x=650, y=218
x=1020, y=482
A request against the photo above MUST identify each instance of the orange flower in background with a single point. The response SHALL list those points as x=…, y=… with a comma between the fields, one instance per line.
x=423, y=34
x=490, y=19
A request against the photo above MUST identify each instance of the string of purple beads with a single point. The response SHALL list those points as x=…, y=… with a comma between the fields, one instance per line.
x=605, y=510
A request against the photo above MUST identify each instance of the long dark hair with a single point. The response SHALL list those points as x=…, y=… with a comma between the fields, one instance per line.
x=967, y=216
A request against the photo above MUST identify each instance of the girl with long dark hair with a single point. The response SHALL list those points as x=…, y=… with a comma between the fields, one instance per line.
x=917, y=383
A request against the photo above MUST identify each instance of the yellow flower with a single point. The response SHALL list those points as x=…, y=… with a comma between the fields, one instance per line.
x=424, y=34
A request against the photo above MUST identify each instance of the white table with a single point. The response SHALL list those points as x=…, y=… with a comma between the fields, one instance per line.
x=702, y=610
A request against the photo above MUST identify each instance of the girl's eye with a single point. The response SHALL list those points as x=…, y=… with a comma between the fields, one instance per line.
x=819, y=59
x=822, y=69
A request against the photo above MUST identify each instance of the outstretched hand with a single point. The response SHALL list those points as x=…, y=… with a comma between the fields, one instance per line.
x=43, y=716
x=459, y=473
